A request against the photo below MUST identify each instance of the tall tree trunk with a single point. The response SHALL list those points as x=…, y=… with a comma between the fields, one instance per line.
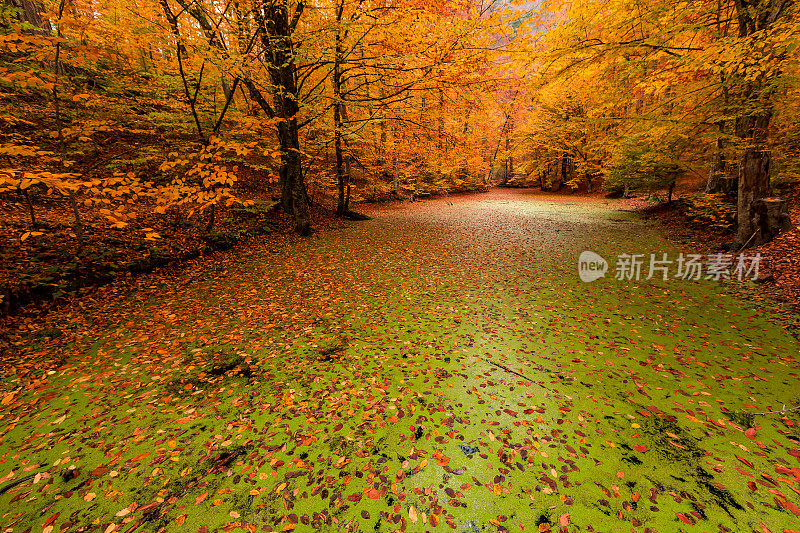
x=337, y=145
x=753, y=18
x=509, y=157
x=341, y=179
x=754, y=182
x=277, y=41
x=396, y=179
x=440, y=142
x=293, y=199
x=718, y=182
x=348, y=174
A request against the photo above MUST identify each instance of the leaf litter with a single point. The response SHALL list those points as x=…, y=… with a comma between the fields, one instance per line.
x=338, y=385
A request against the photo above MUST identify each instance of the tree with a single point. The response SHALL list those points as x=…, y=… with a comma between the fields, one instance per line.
x=762, y=35
x=270, y=24
x=709, y=71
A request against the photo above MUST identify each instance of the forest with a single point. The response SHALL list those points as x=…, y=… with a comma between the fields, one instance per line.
x=390, y=265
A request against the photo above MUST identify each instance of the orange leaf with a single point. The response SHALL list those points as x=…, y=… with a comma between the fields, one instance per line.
x=200, y=498
x=792, y=507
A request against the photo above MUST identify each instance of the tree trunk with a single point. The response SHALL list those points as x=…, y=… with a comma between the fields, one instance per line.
x=31, y=12
x=509, y=157
x=348, y=174
x=275, y=30
x=341, y=179
x=753, y=185
x=717, y=182
x=212, y=215
x=337, y=145
x=27, y=195
x=754, y=17
x=278, y=41
x=78, y=227
x=773, y=217
x=396, y=180
x=440, y=144
x=293, y=190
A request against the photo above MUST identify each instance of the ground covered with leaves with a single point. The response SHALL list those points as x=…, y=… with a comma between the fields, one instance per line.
x=51, y=264
x=440, y=367
x=708, y=223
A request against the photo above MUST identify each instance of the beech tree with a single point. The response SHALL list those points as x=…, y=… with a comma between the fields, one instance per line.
x=271, y=24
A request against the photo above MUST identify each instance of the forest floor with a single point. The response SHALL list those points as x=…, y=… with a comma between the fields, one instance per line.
x=780, y=259
x=439, y=367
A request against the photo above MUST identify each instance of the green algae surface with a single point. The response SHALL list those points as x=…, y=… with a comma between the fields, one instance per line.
x=439, y=367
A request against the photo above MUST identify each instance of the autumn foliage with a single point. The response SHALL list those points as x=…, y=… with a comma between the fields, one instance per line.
x=186, y=105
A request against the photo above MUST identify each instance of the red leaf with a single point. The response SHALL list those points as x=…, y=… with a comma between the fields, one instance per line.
x=50, y=520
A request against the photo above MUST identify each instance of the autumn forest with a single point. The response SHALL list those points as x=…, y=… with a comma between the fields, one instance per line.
x=390, y=265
